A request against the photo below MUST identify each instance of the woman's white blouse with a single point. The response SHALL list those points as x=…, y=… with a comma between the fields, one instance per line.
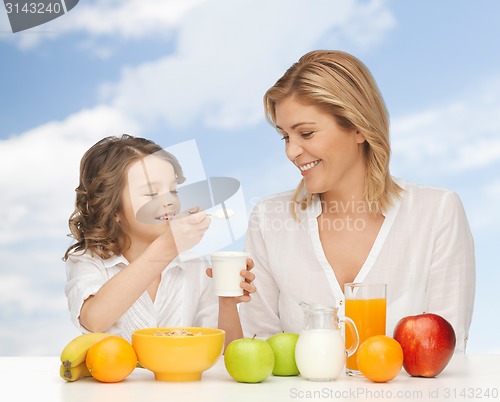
x=424, y=252
x=198, y=304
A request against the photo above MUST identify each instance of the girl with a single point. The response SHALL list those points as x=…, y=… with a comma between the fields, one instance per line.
x=123, y=271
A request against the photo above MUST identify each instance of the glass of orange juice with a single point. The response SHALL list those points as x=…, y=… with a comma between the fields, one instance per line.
x=365, y=304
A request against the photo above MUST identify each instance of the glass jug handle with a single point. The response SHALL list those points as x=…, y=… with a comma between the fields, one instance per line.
x=354, y=332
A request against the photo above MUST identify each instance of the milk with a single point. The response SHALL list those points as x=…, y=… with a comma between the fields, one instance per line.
x=320, y=354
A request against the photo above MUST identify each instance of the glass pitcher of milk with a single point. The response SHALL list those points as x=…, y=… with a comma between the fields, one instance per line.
x=320, y=353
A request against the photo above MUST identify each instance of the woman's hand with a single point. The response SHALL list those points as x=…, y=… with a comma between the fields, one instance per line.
x=247, y=285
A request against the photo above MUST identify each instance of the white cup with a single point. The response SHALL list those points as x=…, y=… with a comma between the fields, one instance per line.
x=226, y=267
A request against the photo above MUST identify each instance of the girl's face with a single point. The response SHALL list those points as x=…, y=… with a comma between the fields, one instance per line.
x=149, y=198
x=328, y=156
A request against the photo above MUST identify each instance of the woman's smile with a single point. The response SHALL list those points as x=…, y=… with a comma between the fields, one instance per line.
x=306, y=167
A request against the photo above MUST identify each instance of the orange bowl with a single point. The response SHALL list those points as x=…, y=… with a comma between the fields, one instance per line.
x=178, y=358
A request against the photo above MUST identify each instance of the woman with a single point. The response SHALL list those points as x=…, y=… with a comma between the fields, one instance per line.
x=349, y=220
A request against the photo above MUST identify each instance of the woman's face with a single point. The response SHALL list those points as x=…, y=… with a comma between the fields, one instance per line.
x=329, y=157
x=149, y=197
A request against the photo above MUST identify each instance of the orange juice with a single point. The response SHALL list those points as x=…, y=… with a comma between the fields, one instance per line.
x=369, y=317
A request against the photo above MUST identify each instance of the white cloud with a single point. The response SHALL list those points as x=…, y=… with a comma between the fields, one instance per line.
x=229, y=53
x=19, y=293
x=130, y=19
x=493, y=189
x=460, y=136
x=370, y=20
x=41, y=171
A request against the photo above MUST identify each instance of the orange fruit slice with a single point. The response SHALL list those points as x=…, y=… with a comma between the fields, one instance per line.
x=380, y=358
x=111, y=359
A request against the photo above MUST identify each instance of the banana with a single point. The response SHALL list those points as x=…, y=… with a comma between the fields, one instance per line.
x=74, y=373
x=76, y=350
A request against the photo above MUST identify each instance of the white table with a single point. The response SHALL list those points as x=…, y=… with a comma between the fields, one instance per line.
x=467, y=377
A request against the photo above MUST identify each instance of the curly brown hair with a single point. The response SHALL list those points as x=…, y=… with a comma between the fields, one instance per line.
x=98, y=195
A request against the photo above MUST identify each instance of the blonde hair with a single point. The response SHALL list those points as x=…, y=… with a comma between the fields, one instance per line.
x=340, y=84
x=98, y=195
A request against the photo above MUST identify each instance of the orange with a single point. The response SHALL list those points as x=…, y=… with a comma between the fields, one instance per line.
x=111, y=359
x=380, y=358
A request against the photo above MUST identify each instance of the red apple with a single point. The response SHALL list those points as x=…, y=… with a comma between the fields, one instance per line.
x=428, y=343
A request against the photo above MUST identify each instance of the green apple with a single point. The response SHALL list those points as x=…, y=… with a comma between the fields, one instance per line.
x=283, y=345
x=249, y=360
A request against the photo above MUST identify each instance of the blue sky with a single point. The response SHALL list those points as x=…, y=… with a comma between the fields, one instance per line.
x=180, y=70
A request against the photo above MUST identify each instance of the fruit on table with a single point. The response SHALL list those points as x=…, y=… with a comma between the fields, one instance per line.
x=111, y=359
x=74, y=373
x=249, y=360
x=428, y=343
x=380, y=358
x=75, y=351
x=283, y=345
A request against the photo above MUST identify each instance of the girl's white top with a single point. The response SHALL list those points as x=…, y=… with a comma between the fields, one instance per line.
x=184, y=297
x=424, y=252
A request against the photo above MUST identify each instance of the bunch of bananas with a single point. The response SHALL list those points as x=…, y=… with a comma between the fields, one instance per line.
x=73, y=356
